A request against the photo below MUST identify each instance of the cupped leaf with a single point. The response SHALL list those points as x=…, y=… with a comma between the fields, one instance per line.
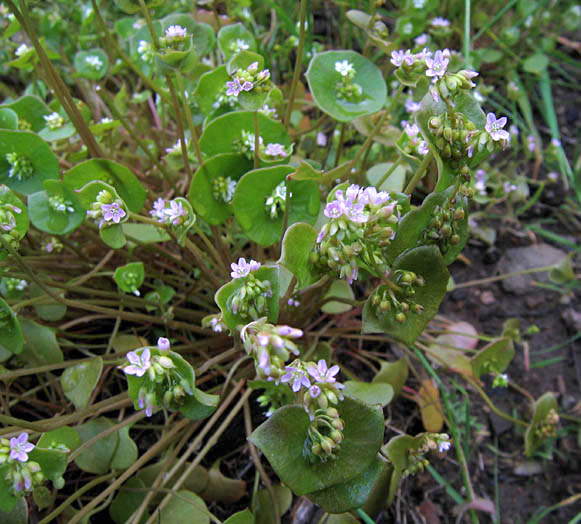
x=40, y=344
x=97, y=457
x=127, y=501
x=297, y=246
x=126, y=452
x=377, y=393
x=541, y=408
x=323, y=79
x=30, y=110
x=8, y=119
x=235, y=38
x=210, y=89
x=339, y=289
x=183, y=503
x=26, y=161
x=226, y=293
x=424, y=261
x=281, y=438
x=130, y=277
x=200, y=405
x=11, y=338
x=393, y=373
x=64, y=438
x=224, y=134
x=205, y=195
x=79, y=381
x=56, y=210
x=113, y=174
x=251, y=203
x=52, y=462
x=418, y=227
x=351, y=494
x=494, y=358
x=92, y=64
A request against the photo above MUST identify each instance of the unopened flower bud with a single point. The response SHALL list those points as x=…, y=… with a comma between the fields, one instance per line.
x=337, y=436
x=327, y=445
x=455, y=240
x=459, y=214
x=166, y=363
x=400, y=317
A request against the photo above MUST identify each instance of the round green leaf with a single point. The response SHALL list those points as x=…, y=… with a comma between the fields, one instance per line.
x=211, y=85
x=30, y=110
x=126, y=452
x=133, y=6
x=43, y=164
x=79, y=381
x=322, y=78
x=222, y=134
x=91, y=64
x=50, y=310
x=263, y=507
x=340, y=289
x=242, y=517
x=494, y=357
x=7, y=500
x=46, y=218
x=201, y=194
x=126, y=502
x=281, y=438
x=200, y=405
x=8, y=119
x=97, y=458
x=372, y=394
x=40, y=344
x=64, y=438
x=130, y=277
x=536, y=63
x=297, y=245
x=11, y=338
x=112, y=173
x=53, y=462
x=250, y=197
x=235, y=38
x=427, y=262
x=185, y=503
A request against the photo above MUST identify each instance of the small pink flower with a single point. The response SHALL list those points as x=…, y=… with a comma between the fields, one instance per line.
x=163, y=344
x=438, y=65
x=494, y=127
x=139, y=364
x=20, y=447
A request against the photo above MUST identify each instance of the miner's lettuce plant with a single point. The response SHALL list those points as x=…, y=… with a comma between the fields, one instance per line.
x=188, y=196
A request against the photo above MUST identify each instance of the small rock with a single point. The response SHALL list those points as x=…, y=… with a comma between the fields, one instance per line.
x=572, y=319
x=487, y=297
x=530, y=257
x=528, y=468
x=498, y=424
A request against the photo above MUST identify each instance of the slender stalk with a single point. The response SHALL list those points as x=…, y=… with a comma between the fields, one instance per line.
x=189, y=120
x=298, y=63
x=256, y=140
x=502, y=277
x=467, y=40
x=340, y=146
x=419, y=174
x=180, y=125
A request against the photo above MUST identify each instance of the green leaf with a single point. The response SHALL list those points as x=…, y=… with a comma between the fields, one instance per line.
x=130, y=277
x=224, y=132
x=263, y=507
x=126, y=502
x=43, y=497
x=86, y=69
x=40, y=344
x=200, y=405
x=242, y=517
x=50, y=220
x=536, y=63
x=322, y=78
x=252, y=192
x=144, y=233
x=126, y=452
x=30, y=111
x=31, y=149
x=541, y=408
x=351, y=494
x=231, y=36
x=121, y=178
x=395, y=181
x=97, y=458
x=7, y=500
x=281, y=438
x=113, y=236
x=340, y=289
x=11, y=338
x=372, y=394
x=53, y=462
x=79, y=381
x=185, y=503
x=133, y=6
x=211, y=85
x=201, y=194
x=224, y=295
x=393, y=373
x=19, y=512
x=50, y=310
x=414, y=229
x=426, y=262
x=64, y=438
x=495, y=357
x=8, y=119
x=297, y=245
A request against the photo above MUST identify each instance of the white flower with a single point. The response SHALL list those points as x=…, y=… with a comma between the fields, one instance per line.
x=437, y=66
x=175, y=33
x=445, y=445
x=344, y=68
x=243, y=268
x=242, y=45
x=440, y=22
x=94, y=62
x=54, y=120
x=494, y=127
x=21, y=50
x=275, y=150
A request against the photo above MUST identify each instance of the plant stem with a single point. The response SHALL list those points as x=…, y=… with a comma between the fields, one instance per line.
x=256, y=140
x=419, y=174
x=467, y=40
x=189, y=120
x=179, y=124
x=298, y=63
x=502, y=277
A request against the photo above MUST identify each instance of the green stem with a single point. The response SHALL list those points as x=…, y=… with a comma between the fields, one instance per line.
x=340, y=146
x=256, y=140
x=419, y=174
x=502, y=277
x=148, y=20
x=298, y=63
x=179, y=124
x=189, y=120
x=389, y=173
x=467, y=8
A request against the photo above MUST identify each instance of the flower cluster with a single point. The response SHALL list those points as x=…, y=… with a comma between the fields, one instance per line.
x=215, y=322
x=94, y=62
x=414, y=144
x=60, y=205
x=54, y=121
x=398, y=298
x=145, y=51
x=161, y=383
x=249, y=79
x=275, y=204
x=428, y=442
x=8, y=224
x=14, y=284
x=548, y=426
x=239, y=45
x=52, y=245
x=223, y=189
x=175, y=38
x=361, y=225
x=250, y=299
x=106, y=210
x=347, y=89
x=21, y=167
x=23, y=474
x=270, y=346
x=169, y=212
x=247, y=142
x=445, y=226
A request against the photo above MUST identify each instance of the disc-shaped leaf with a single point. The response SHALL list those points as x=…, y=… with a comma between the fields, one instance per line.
x=351, y=494
x=40, y=344
x=377, y=393
x=199, y=406
x=79, y=381
x=202, y=194
x=541, y=408
x=323, y=79
x=185, y=503
x=129, y=277
x=493, y=358
x=235, y=38
x=92, y=64
x=210, y=86
x=427, y=262
x=297, y=246
x=242, y=517
x=226, y=293
x=281, y=438
x=11, y=339
x=126, y=452
x=97, y=458
x=127, y=501
x=32, y=163
x=253, y=191
x=30, y=110
x=8, y=119
x=393, y=373
x=56, y=210
x=52, y=462
x=64, y=438
x=112, y=173
x=223, y=134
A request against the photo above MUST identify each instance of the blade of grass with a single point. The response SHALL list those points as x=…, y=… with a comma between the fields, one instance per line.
x=493, y=20
x=454, y=495
x=553, y=236
x=466, y=43
x=548, y=362
x=557, y=346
